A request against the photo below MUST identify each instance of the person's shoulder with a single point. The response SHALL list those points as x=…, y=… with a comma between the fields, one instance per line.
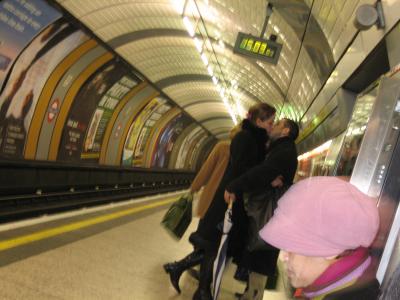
x=222, y=147
x=223, y=144
x=241, y=135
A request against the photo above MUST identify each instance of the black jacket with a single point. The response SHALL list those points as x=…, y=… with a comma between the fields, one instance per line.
x=247, y=149
x=281, y=160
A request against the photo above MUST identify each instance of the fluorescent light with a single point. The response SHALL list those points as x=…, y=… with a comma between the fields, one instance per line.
x=210, y=71
x=204, y=59
x=178, y=5
x=188, y=26
x=198, y=44
x=221, y=44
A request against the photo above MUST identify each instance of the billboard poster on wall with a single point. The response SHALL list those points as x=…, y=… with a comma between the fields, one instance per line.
x=167, y=140
x=84, y=105
x=26, y=81
x=193, y=155
x=136, y=128
x=103, y=114
x=184, y=150
x=20, y=22
x=145, y=133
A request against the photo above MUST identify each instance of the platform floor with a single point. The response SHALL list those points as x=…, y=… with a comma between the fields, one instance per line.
x=120, y=258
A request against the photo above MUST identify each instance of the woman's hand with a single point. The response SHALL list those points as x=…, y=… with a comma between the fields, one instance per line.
x=277, y=182
x=229, y=197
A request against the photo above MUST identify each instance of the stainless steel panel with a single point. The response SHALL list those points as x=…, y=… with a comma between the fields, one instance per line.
x=377, y=171
x=391, y=254
x=390, y=219
x=333, y=154
x=355, y=132
x=379, y=139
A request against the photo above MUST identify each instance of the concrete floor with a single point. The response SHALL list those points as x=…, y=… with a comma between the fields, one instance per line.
x=122, y=260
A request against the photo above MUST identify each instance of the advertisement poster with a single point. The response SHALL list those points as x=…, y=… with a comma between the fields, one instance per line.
x=84, y=106
x=136, y=128
x=186, y=144
x=192, y=158
x=20, y=22
x=25, y=83
x=167, y=140
x=145, y=133
x=103, y=114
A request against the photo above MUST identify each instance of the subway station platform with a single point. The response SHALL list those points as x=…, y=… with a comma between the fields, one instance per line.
x=115, y=251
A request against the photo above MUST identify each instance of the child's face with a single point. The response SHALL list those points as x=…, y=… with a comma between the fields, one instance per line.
x=303, y=270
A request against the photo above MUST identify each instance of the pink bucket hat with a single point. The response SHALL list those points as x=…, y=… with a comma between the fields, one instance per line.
x=322, y=216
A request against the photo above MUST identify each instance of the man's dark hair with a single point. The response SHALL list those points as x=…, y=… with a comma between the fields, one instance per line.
x=293, y=129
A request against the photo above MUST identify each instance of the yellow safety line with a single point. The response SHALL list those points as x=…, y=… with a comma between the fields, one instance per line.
x=44, y=234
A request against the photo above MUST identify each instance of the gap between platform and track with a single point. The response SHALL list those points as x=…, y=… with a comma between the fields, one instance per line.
x=43, y=234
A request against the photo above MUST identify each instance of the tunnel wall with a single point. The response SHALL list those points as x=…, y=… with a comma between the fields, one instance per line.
x=65, y=98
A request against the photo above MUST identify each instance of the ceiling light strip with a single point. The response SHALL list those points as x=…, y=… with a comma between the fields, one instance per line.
x=201, y=46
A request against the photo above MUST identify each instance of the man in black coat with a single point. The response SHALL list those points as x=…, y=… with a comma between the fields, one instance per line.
x=281, y=160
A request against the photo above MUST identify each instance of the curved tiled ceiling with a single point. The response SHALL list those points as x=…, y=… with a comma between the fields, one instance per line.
x=151, y=35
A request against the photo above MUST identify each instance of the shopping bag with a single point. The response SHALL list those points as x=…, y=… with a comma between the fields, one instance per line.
x=178, y=217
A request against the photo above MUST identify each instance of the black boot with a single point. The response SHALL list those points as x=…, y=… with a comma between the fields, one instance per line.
x=202, y=295
x=272, y=281
x=176, y=269
x=203, y=292
x=242, y=274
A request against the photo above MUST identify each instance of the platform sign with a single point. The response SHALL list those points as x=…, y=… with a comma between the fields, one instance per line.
x=258, y=48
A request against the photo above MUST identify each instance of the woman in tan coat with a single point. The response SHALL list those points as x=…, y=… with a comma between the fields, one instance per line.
x=210, y=176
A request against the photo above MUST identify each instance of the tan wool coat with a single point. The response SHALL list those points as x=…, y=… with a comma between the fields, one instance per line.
x=210, y=175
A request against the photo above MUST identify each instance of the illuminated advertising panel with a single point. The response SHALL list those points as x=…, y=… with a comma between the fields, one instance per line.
x=145, y=133
x=167, y=140
x=84, y=106
x=103, y=114
x=26, y=82
x=184, y=150
x=137, y=126
x=20, y=22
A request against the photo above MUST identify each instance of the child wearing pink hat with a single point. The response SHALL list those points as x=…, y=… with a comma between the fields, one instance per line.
x=324, y=226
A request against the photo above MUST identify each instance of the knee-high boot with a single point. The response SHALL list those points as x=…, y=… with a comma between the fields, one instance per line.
x=176, y=269
x=203, y=292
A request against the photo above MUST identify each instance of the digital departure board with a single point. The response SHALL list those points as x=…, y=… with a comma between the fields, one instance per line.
x=259, y=48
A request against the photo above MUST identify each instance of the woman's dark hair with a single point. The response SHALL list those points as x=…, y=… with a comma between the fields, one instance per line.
x=262, y=111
